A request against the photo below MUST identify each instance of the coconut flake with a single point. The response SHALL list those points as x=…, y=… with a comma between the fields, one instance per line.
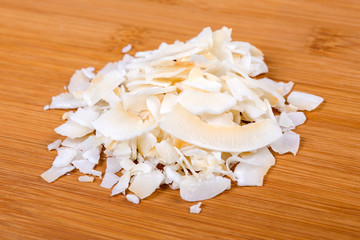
x=198, y=102
x=289, y=142
x=196, y=189
x=54, y=145
x=102, y=85
x=168, y=103
x=113, y=165
x=72, y=129
x=304, y=101
x=84, y=116
x=64, y=157
x=144, y=184
x=109, y=180
x=55, y=172
x=297, y=118
x=122, y=184
x=120, y=125
x=66, y=101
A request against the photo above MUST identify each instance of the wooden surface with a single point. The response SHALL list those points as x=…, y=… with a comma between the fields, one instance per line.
x=315, y=195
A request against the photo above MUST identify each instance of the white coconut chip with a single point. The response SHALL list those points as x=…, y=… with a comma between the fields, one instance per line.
x=66, y=101
x=168, y=103
x=55, y=172
x=195, y=208
x=122, y=184
x=84, y=116
x=285, y=121
x=84, y=166
x=109, y=180
x=289, y=142
x=120, y=125
x=64, y=157
x=102, y=85
x=198, y=102
x=54, y=145
x=113, y=165
x=92, y=155
x=72, y=129
x=297, y=118
x=190, y=115
x=304, y=101
x=86, y=179
x=79, y=81
x=196, y=189
x=144, y=184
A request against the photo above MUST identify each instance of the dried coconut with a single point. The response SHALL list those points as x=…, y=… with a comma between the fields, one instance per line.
x=189, y=114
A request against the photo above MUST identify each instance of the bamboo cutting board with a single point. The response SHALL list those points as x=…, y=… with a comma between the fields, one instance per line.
x=314, y=195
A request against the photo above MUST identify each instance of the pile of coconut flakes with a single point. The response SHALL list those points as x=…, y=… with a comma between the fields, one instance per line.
x=190, y=115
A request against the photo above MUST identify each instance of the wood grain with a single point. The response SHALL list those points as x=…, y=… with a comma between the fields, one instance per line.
x=314, y=195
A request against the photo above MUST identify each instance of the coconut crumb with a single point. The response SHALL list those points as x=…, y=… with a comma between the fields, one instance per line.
x=133, y=198
x=46, y=107
x=195, y=208
x=127, y=48
x=86, y=178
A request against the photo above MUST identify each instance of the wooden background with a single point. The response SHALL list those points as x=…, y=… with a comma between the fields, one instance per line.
x=315, y=195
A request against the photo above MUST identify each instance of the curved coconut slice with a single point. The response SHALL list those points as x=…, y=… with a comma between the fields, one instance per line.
x=120, y=125
x=199, y=102
x=185, y=126
x=289, y=142
x=304, y=101
x=194, y=189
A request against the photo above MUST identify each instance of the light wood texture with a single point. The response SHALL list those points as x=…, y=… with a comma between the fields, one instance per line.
x=315, y=195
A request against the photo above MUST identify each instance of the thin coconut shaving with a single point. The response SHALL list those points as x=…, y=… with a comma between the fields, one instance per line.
x=189, y=115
